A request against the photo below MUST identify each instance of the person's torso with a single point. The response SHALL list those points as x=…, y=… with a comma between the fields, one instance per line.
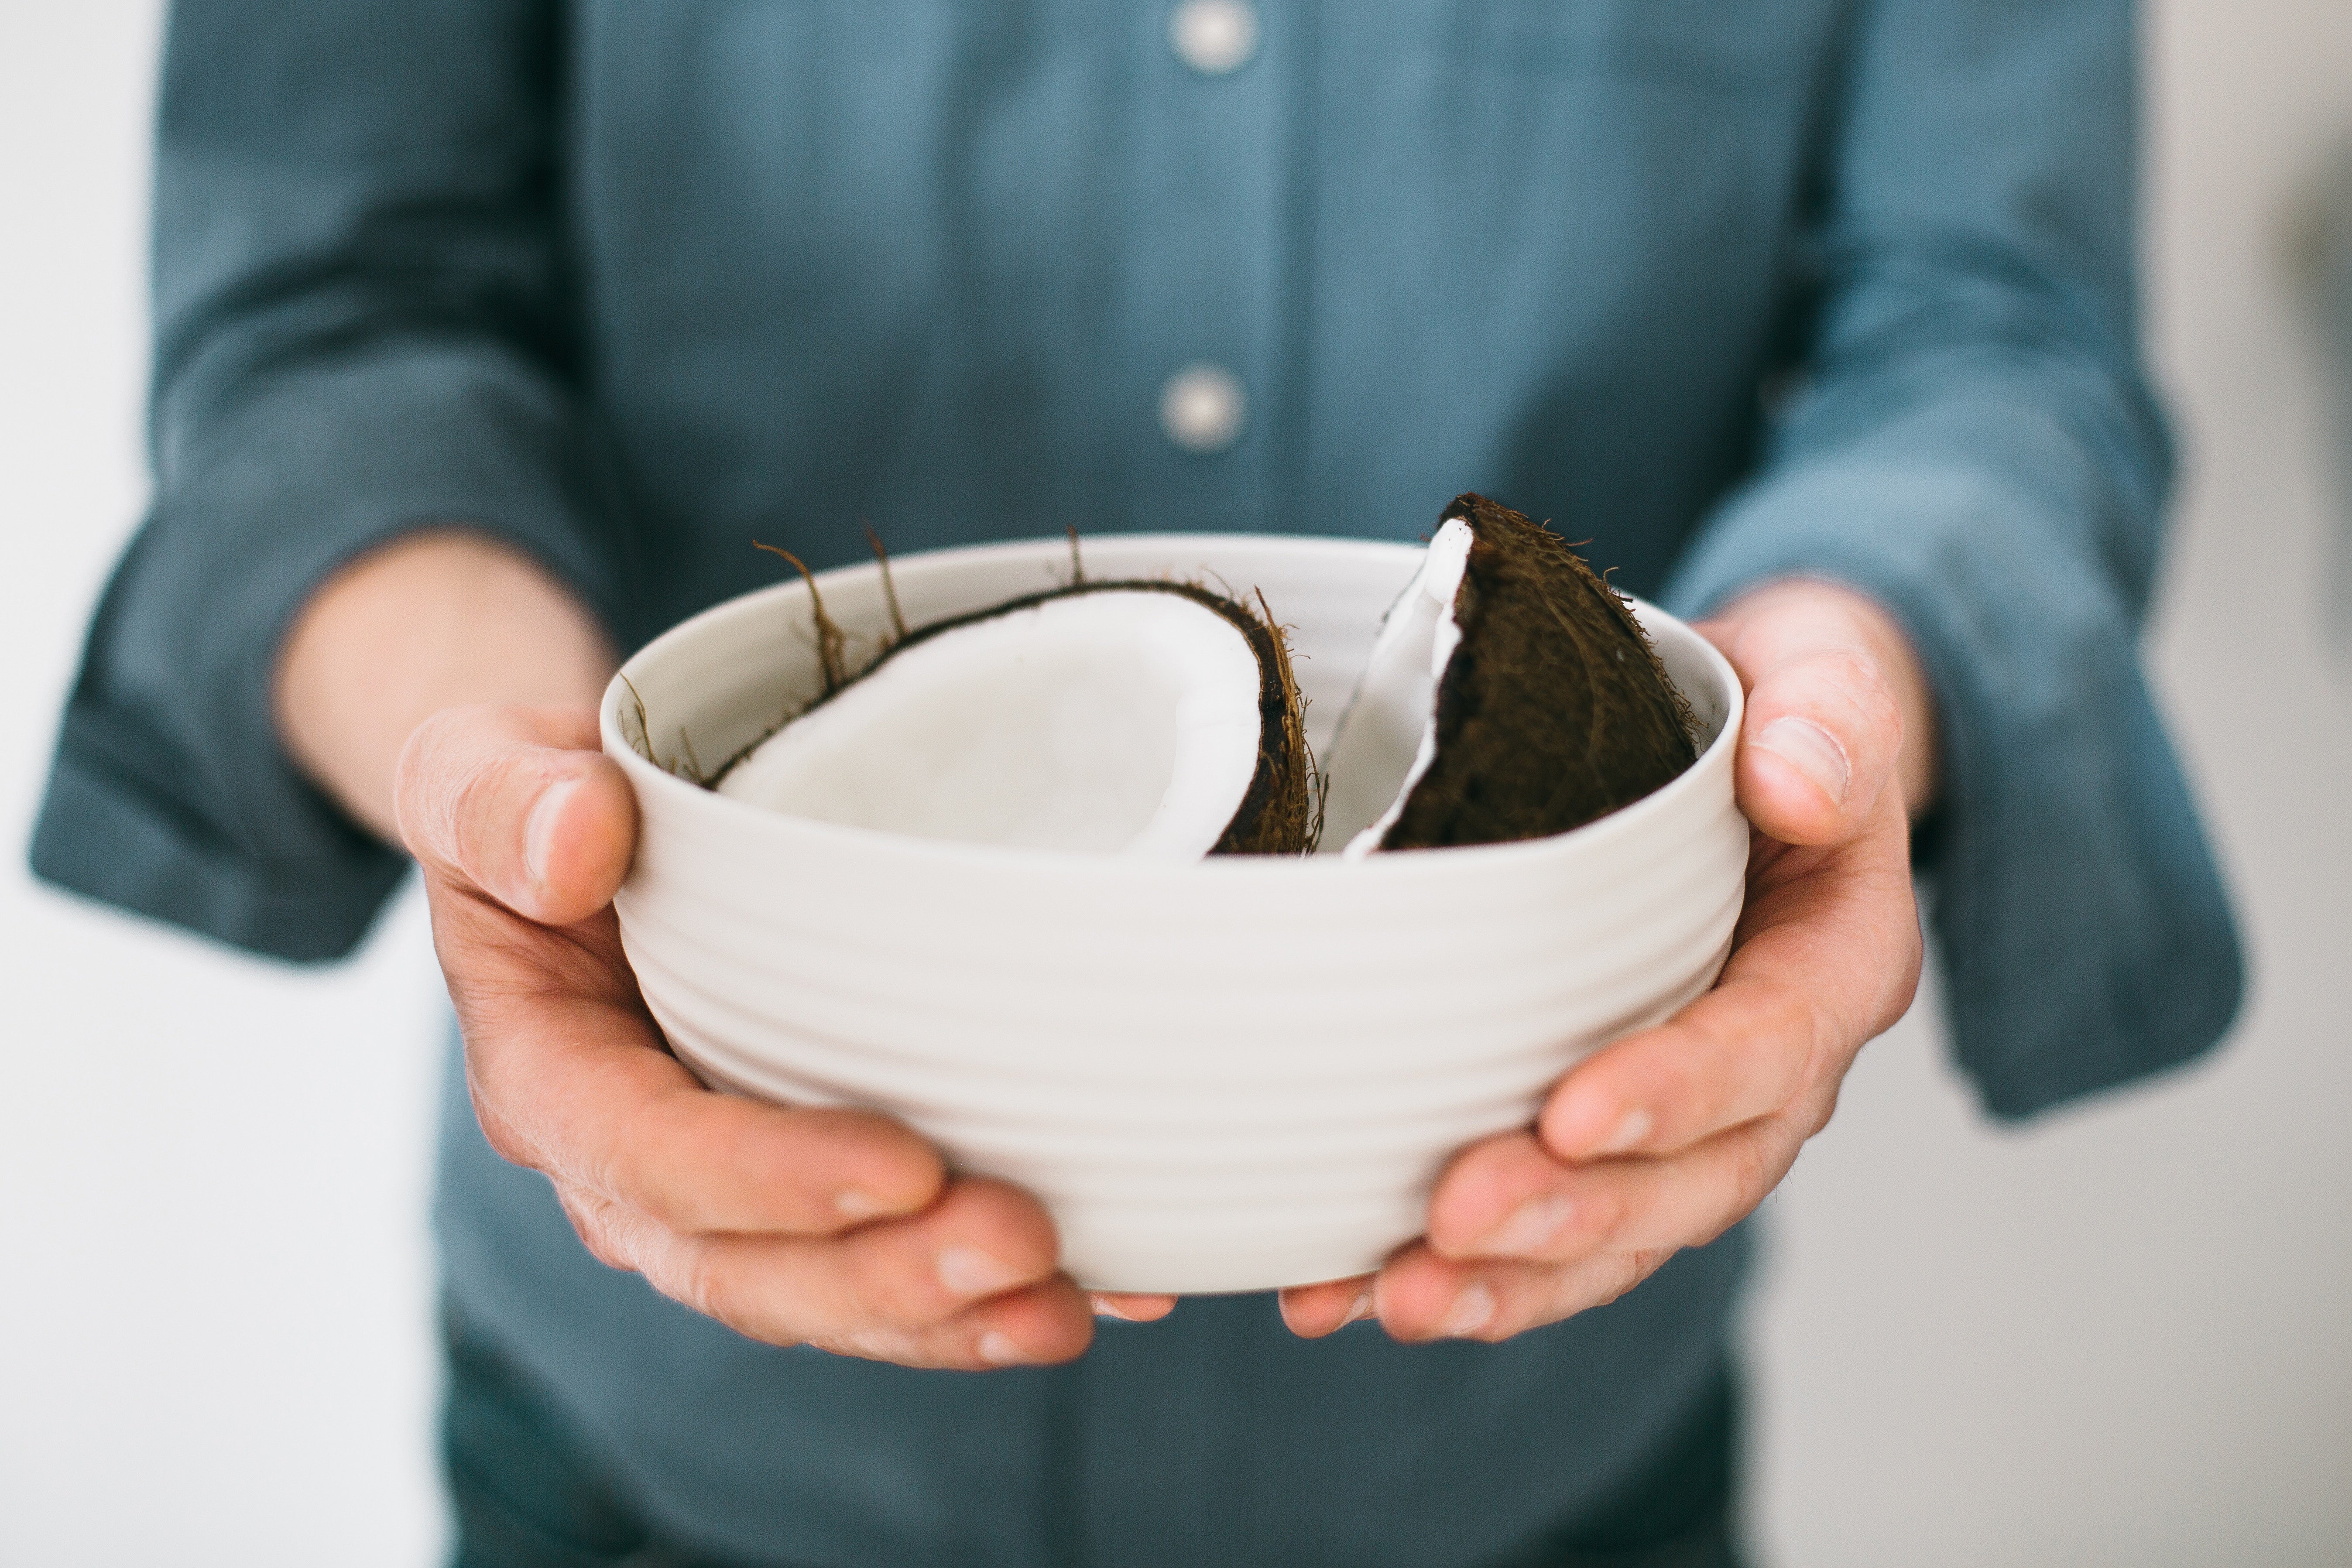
x=931, y=265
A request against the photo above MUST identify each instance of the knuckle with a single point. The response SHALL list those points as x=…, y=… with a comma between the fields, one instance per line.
x=1782, y=1009
x=471, y=807
x=1846, y=692
x=592, y=1221
x=1632, y=1269
x=643, y=1168
x=1608, y=1280
x=1885, y=714
x=666, y=1208
x=448, y=789
x=1785, y=1034
x=623, y=1173
x=1911, y=961
x=1850, y=669
x=1753, y=1172
x=506, y=1139
x=1610, y=1210
x=416, y=794
x=711, y=1281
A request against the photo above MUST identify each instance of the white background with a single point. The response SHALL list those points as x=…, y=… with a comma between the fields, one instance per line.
x=2123, y=1336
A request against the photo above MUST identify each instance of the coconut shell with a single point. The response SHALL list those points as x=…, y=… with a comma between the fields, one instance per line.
x=1554, y=708
x=1278, y=814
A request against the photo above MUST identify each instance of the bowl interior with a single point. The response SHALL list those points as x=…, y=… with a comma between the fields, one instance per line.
x=701, y=694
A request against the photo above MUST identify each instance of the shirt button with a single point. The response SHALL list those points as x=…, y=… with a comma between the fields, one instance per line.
x=1202, y=408
x=1213, y=37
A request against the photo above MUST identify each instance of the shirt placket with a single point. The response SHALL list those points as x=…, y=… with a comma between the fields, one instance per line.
x=1194, y=381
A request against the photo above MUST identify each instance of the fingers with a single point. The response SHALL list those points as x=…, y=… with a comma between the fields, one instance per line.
x=1825, y=726
x=1828, y=957
x=1421, y=1296
x=577, y=1085
x=791, y=1223
x=1517, y=1240
x=1131, y=1309
x=795, y=1224
x=1667, y=1138
x=970, y=1282
x=1507, y=1199
x=1742, y=1050
x=698, y=1163
x=982, y=1240
x=1551, y=1240
x=518, y=803
x=1310, y=1312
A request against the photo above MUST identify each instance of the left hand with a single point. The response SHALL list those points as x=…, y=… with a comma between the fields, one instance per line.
x=1670, y=1136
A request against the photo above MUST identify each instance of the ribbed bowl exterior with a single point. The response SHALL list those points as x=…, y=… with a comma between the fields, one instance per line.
x=1227, y=1076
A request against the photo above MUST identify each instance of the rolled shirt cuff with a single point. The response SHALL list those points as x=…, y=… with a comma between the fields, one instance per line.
x=172, y=795
x=2083, y=931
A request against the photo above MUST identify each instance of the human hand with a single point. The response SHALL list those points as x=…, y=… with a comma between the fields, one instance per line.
x=835, y=1227
x=1668, y=1137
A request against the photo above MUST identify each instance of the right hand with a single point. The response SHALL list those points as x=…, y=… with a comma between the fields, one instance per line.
x=835, y=1227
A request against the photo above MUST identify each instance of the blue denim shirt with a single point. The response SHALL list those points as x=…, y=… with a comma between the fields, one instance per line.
x=1733, y=288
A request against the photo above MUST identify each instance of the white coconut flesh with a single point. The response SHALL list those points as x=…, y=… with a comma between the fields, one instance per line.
x=1120, y=721
x=1387, y=737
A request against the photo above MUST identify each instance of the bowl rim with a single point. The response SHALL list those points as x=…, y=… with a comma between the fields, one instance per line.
x=675, y=794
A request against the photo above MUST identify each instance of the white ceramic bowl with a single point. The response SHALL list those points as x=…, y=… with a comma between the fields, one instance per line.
x=1225, y=1076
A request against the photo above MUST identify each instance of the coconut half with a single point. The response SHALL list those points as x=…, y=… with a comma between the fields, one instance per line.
x=1509, y=694
x=1155, y=720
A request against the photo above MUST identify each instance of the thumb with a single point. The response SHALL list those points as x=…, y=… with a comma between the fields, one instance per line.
x=518, y=803
x=1823, y=727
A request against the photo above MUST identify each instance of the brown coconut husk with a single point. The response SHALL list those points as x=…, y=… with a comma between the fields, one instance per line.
x=1554, y=709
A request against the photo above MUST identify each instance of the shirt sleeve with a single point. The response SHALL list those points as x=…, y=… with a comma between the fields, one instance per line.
x=361, y=329
x=1970, y=441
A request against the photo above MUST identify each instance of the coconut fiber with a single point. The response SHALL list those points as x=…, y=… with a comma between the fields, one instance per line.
x=1554, y=708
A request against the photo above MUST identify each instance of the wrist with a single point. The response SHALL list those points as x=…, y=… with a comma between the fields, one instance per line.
x=429, y=621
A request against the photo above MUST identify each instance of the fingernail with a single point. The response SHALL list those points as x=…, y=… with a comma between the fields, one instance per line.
x=1359, y=1309
x=997, y=1349
x=854, y=1204
x=1811, y=751
x=1630, y=1129
x=1530, y=1227
x=968, y=1271
x=1103, y=1308
x=1473, y=1310
x=539, y=836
